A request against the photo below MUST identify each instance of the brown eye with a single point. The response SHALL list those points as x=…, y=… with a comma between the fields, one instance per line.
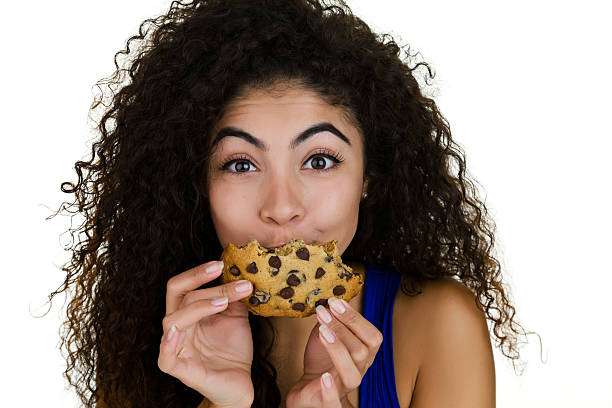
x=242, y=166
x=318, y=163
x=238, y=166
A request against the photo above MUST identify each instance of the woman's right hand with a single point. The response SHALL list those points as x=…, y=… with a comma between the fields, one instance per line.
x=211, y=349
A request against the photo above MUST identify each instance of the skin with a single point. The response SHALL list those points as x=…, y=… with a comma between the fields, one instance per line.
x=446, y=345
x=281, y=192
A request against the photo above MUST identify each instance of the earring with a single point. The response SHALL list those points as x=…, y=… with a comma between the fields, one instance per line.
x=364, y=195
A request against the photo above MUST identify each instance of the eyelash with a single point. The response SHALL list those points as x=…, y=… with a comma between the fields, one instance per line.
x=337, y=158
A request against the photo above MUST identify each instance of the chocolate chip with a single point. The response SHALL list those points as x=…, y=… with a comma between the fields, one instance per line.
x=319, y=273
x=234, y=270
x=273, y=271
x=274, y=262
x=339, y=290
x=327, y=259
x=312, y=294
x=286, y=293
x=298, y=306
x=345, y=274
x=303, y=253
x=262, y=296
x=293, y=280
x=322, y=302
x=254, y=301
x=271, y=251
x=252, y=268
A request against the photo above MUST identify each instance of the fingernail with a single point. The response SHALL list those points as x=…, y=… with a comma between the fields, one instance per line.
x=243, y=286
x=336, y=305
x=327, y=333
x=219, y=301
x=327, y=380
x=171, y=332
x=325, y=316
x=214, y=268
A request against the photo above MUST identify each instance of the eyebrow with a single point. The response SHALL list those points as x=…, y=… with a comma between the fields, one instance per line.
x=321, y=127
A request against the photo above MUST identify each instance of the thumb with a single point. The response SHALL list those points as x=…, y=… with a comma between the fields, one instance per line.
x=236, y=308
x=329, y=392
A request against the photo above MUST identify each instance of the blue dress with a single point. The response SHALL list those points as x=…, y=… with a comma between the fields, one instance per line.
x=377, y=389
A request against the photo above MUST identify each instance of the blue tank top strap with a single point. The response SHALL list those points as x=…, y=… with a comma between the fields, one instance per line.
x=377, y=387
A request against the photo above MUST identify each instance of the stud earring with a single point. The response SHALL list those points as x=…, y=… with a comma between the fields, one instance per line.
x=364, y=195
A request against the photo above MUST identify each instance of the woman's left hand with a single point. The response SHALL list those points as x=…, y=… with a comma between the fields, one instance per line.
x=346, y=358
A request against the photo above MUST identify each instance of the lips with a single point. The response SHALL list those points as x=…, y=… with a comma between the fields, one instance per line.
x=278, y=243
x=275, y=245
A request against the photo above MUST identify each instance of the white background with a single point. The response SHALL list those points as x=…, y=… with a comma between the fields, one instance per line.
x=525, y=86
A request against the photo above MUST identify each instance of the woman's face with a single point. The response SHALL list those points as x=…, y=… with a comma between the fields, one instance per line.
x=283, y=167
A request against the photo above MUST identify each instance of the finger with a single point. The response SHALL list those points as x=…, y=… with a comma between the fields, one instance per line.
x=359, y=352
x=359, y=325
x=329, y=392
x=343, y=362
x=192, y=313
x=233, y=291
x=169, y=362
x=189, y=280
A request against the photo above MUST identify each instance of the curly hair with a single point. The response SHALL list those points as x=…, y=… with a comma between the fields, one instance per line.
x=144, y=199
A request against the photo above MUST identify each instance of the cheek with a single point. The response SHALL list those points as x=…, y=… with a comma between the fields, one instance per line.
x=337, y=213
x=336, y=206
x=231, y=208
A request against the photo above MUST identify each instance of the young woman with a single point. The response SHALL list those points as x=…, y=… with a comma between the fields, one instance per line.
x=273, y=120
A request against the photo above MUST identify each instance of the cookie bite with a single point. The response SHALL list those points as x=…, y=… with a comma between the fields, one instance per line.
x=291, y=280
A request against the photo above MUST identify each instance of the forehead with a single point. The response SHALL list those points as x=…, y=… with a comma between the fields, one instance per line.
x=293, y=107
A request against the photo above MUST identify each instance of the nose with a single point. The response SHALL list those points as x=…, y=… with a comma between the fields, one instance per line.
x=282, y=202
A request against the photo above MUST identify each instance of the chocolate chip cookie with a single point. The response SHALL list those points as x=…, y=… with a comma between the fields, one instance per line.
x=291, y=280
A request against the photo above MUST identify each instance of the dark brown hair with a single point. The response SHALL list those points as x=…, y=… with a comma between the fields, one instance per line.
x=143, y=192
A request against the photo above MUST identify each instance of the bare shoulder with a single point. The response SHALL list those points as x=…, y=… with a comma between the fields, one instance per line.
x=436, y=290
x=442, y=336
x=444, y=304
x=440, y=303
